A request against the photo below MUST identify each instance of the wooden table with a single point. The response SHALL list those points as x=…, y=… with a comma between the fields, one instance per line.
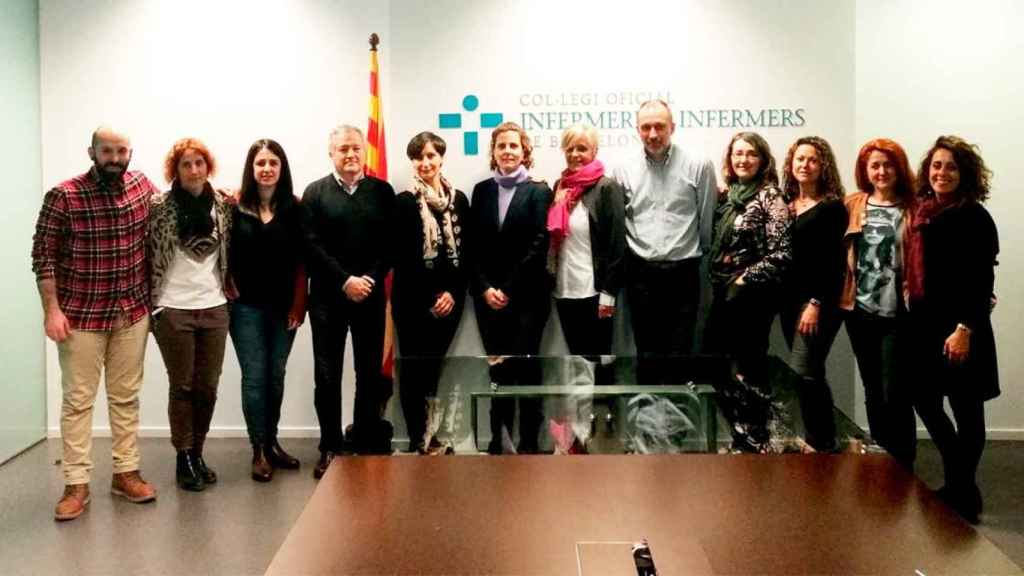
x=702, y=514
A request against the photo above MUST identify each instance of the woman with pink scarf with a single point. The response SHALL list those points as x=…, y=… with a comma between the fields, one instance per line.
x=586, y=223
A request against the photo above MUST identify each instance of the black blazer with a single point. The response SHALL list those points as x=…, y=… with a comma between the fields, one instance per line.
x=605, y=202
x=417, y=284
x=960, y=248
x=511, y=257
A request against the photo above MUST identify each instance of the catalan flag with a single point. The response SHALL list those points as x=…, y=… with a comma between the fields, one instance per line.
x=377, y=166
x=376, y=154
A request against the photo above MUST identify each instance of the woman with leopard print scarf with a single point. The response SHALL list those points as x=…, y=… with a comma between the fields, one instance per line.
x=189, y=233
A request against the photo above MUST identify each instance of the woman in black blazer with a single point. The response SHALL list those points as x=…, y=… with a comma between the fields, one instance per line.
x=510, y=284
x=429, y=287
x=587, y=226
x=951, y=272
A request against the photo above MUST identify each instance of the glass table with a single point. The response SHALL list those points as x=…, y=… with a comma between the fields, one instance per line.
x=592, y=405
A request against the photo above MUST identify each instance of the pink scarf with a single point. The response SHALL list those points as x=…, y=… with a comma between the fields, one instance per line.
x=574, y=183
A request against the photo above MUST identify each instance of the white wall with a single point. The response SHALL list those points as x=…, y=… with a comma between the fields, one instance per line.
x=228, y=73
x=232, y=72
x=949, y=68
x=22, y=403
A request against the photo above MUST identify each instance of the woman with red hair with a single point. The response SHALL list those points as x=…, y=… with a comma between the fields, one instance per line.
x=189, y=233
x=873, y=294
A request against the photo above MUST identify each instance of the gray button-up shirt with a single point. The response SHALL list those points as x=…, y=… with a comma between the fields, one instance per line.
x=670, y=205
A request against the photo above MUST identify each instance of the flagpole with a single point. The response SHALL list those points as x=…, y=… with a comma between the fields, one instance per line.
x=377, y=166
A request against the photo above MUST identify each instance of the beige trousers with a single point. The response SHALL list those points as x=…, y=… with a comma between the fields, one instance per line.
x=83, y=356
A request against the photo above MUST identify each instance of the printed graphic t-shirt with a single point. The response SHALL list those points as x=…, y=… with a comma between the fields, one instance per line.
x=878, y=261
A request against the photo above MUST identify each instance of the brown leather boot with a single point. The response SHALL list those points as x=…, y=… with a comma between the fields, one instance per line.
x=281, y=459
x=131, y=487
x=262, y=470
x=72, y=503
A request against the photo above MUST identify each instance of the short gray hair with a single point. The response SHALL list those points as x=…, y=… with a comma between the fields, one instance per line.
x=655, y=103
x=343, y=129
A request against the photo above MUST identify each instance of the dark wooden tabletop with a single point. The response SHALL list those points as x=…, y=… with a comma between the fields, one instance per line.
x=701, y=514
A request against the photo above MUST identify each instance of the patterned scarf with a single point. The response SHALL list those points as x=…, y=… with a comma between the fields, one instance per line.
x=442, y=203
x=573, y=184
x=734, y=204
x=197, y=233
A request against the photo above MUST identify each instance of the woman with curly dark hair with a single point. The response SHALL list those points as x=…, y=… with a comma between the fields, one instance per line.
x=954, y=245
x=749, y=256
x=810, y=302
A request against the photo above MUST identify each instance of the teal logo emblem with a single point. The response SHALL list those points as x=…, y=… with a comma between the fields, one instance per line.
x=470, y=138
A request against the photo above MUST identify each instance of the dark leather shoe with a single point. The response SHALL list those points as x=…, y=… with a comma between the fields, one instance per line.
x=323, y=464
x=281, y=459
x=209, y=476
x=188, y=474
x=262, y=469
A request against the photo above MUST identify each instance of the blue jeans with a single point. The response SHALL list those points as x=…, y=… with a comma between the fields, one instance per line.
x=262, y=343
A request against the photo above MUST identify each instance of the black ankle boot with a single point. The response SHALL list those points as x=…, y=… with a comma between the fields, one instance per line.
x=188, y=474
x=209, y=476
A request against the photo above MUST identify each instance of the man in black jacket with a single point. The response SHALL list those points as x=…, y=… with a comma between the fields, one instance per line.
x=350, y=214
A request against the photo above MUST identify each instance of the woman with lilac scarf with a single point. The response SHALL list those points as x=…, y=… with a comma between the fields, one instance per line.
x=587, y=227
x=510, y=285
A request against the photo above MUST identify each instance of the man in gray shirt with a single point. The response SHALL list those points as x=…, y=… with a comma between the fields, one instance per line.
x=670, y=205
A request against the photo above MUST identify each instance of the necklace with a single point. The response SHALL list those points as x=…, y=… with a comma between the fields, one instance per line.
x=803, y=204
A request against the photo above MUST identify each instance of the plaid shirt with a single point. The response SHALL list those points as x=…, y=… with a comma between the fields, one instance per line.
x=91, y=239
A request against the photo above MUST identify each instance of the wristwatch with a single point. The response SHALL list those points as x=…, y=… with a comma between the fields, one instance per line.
x=963, y=327
x=814, y=302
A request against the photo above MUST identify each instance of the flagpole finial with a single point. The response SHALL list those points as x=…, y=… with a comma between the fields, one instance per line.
x=374, y=40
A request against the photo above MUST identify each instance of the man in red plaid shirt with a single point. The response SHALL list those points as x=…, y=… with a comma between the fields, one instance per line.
x=89, y=257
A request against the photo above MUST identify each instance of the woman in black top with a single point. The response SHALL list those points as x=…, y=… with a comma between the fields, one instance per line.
x=511, y=286
x=429, y=287
x=954, y=245
x=266, y=267
x=810, y=310
x=749, y=257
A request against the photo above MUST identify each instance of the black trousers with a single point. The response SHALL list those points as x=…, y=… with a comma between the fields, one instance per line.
x=585, y=333
x=423, y=341
x=663, y=299
x=888, y=396
x=808, y=353
x=330, y=321
x=738, y=327
x=516, y=331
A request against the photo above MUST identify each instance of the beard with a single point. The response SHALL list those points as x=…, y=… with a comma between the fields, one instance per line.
x=111, y=172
